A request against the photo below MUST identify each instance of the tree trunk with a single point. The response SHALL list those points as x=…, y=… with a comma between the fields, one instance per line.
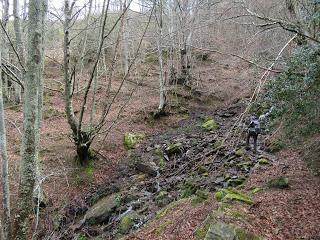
x=6, y=229
x=162, y=98
x=19, y=47
x=29, y=148
x=125, y=37
x=4, y=50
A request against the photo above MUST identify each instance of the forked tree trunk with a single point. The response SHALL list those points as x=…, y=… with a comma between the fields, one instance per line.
x=81, y=138
x=29, y=148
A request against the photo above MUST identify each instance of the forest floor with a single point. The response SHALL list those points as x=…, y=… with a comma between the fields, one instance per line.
x=290, y=213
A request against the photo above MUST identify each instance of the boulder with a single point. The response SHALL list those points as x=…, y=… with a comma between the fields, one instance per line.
x=174, y=148
x=149, y=168
x=223, y=231
x=220, y=231
x=233, y=195
x=102, y=210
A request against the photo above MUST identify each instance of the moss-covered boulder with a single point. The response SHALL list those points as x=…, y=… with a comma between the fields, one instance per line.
x=174, y=148
x=127, y=222
x=240, y=152
x=102, y=210
x=223, y=231
x=280, y=182
x=263, y=161
x=131, y=140
x=233, y=195
x=235, y=182
x=210, y=125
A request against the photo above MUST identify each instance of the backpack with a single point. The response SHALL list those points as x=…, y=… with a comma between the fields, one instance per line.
x=254, y=127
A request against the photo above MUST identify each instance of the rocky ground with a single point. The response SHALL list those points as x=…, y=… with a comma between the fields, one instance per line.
x=184, y=165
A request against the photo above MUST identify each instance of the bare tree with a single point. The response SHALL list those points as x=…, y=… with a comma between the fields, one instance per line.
x=6, y=230
x=162, y=75
x=30, y=137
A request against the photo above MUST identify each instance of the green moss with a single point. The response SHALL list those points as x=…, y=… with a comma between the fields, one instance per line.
x=234, y=195
x=162, y=212
x=210, y=125
x=201, y=232
x=264, y=161
x=241, y=234
x=82, y=237
x=200, y=197
x=256, y=190
x=161, y=195
x=202, y=170
x=217, y=144
x=276, y=146
x=174, y=148
x=131, y=140
x=162, y=227
x=239, y=152
x=219, y=196
x=188, y=189
x=280, y=182
x=127, y=222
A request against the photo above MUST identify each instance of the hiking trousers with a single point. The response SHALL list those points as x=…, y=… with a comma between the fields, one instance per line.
x=255, y=138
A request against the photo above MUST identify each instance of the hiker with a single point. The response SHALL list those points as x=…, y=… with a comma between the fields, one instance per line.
x=253, y=131
x=263, y=119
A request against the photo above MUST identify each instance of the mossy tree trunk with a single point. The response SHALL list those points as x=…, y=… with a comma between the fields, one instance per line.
x=6, y=219
x=30, y=137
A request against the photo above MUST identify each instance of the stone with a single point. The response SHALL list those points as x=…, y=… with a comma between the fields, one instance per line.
x=149, y=168
x=233, y=195
x=235, y=182
x=219, y=180
x=220, y=231
x=127, y=222
x=174, y=148
x=239, y=153
x=223, y=231
x=102, y=210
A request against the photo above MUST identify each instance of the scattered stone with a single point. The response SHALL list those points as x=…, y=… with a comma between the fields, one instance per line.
x=102, y=210
x=149, y=168
x=149, y=149
x=235, y=182
x=174, y=148
x=219, y=180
